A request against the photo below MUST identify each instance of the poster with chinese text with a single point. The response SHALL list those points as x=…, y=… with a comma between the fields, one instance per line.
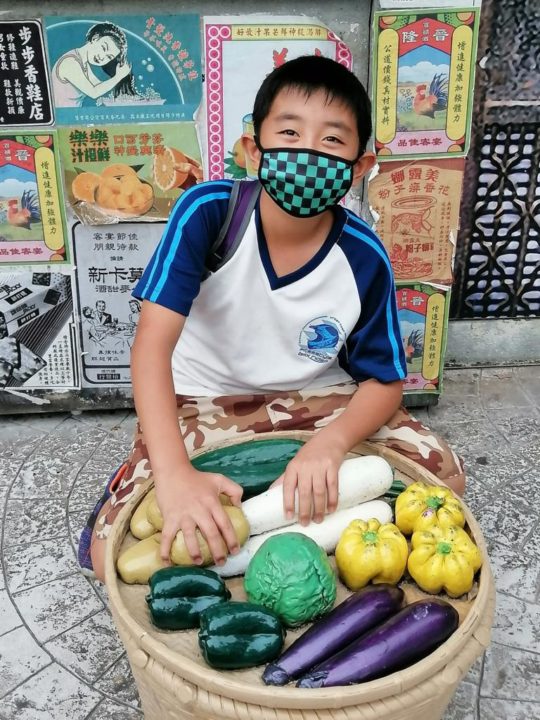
x=423, y=82
x=258, y=43
x=32, y=223
x=125, y=68
x=416, y=4
x=110, y=261
x=37, y=331
x=23, y=75
x=423, y=318
x=417, y=204
x=127, y=172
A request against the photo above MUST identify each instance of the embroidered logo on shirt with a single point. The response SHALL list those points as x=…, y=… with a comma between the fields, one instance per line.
x=321, y=339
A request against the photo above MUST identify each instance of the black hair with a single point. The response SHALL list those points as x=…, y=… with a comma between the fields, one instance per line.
x=126, y=86
x=309, y=74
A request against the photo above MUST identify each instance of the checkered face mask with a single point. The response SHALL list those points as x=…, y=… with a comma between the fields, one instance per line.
x=304, y=182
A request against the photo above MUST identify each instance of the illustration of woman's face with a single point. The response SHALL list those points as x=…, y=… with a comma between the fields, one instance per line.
x=133, y=306
x=102, y=50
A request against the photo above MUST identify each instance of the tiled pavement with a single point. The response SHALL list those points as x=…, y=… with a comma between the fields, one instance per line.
x=60, y=657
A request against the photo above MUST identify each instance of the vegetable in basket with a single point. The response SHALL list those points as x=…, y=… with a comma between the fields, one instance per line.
x=349, y=620
x=140, y=561
x=178, y=595
x=140, y=525
x=399, y=642
x=369, y=551
x=421, y=506
x=444, y=558
x=236, y=635
x=291, y=575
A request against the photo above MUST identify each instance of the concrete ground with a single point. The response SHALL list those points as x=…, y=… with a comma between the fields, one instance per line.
x=60, y=656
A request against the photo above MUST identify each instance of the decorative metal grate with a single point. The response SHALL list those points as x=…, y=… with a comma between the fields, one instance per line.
x=497, y=273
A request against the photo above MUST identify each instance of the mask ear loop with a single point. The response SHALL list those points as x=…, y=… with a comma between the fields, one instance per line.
x=257, y=143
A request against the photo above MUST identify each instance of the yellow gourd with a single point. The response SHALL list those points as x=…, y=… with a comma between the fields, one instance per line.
x=369, y=551
x=139, y=525
x=140, y=561
x=444, y=558
x=422, y=506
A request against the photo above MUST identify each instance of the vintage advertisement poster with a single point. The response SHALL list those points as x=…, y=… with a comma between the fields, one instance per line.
x=260, y=43
x=110, y=261
x=423, y=318
x=416, y=203
x=23, y=75
x=32, y=222
x=125, y=68
x=423, y=79
x=37, y=331
x=127, y=172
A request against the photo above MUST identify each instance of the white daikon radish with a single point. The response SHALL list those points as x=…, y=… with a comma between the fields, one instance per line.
x=360, y=479
x=325, y=534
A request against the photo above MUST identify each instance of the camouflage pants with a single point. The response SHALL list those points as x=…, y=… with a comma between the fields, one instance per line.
x=205, y=420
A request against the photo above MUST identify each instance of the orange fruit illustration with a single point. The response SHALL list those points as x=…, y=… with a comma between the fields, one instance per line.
x=118, y=170
x=172, y=168
x=107, y=192
x=84, y=186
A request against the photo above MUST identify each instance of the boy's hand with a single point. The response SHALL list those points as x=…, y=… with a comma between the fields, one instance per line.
x=313, y=472
x=190, y=500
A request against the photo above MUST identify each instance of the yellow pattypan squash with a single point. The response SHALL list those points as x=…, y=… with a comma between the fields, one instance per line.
x=444, y=558
x=422, y=506
x=371, y=551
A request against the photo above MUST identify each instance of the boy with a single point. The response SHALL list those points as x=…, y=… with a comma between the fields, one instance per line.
x=297, y=330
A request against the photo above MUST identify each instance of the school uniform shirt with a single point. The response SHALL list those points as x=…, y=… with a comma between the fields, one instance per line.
x=250, y=331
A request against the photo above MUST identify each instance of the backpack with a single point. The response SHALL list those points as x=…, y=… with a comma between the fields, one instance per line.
x=242, y=202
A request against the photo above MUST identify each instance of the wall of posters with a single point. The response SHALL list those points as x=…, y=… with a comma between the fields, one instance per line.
x=423, y=82
x=125, y=68
x=423, y=318
x=37, y=331
x=32, y=222
x=260, y=43
x=110, y=260
x=417, y=204
x=127, y=172
x=23, y=75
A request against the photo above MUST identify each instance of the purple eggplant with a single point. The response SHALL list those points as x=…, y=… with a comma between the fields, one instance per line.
x=396, y=644
x=354, y=616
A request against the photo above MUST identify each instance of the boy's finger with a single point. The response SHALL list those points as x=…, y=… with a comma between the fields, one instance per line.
x=167, y=536
x=232, y=490
x=319, y=496
x=226, y=528
x=191, y=541
x=214, y=538
x=332, y=488
x=305, y=491
x=289, y=491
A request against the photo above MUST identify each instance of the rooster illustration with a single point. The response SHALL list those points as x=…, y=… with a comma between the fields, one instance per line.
x=426, y=102
x=27, y=213
x=414, y=345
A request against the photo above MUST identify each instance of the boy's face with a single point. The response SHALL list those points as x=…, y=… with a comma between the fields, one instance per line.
x=311, y=122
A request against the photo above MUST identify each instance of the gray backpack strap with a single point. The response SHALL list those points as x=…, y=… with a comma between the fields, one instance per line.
x=244, y=195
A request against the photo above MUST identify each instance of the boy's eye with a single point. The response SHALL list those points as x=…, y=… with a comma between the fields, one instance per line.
x=288, y=131
x=333, y=139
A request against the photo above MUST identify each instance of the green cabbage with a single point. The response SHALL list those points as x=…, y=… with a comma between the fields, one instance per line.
x=291, y=575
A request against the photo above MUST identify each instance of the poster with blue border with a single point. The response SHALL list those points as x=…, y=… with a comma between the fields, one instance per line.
x=125, y=68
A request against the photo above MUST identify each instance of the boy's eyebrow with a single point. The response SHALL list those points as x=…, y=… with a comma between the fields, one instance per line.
x=328, y=123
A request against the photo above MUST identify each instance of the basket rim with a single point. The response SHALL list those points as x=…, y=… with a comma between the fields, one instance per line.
x=477, y=622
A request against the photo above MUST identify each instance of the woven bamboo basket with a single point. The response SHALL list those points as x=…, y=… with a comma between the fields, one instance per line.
x=175, y=683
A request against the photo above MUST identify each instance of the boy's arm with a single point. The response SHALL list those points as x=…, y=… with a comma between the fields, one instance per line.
x=314, y=469
x=188, y=499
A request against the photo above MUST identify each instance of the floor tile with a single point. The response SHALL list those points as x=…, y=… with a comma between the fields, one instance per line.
x=499, y=466
x=474, y=675
x=109, y=710
x=517, y=623
x=9, y=617
x=89, y=648
x=30, y=564
x=52, y=694
x=511, y=673
x=461, y=382
x=20, y=657
x=515, y=573
x=56, y=606
x=104, y=419
x=118, y=682
x=451, y=410
x=44, y=422
x=31, y=520
x=496, y=394
x=463, y=704
x=508, y=710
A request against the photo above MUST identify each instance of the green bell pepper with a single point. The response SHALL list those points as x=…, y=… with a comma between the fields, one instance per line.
x=178, y=595
x=237, y=635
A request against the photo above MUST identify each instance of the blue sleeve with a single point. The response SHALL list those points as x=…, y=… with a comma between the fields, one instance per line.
x=374, y=348
x=173, y=275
